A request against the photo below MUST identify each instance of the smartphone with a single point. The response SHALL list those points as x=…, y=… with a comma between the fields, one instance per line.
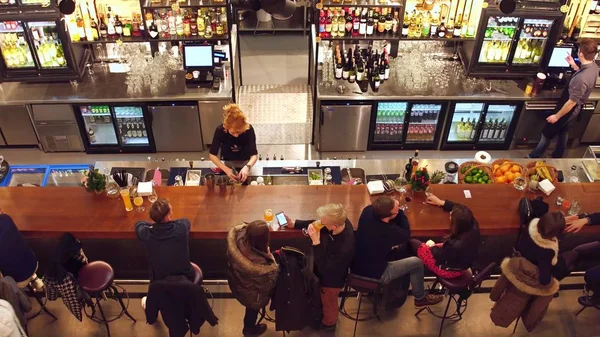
x=281, y=219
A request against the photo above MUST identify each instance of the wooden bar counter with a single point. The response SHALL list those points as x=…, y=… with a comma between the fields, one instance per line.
x=49, y=212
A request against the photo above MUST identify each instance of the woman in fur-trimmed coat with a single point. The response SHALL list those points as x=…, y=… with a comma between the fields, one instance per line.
x=252, y=271
x=539, y=245
x=519, y=293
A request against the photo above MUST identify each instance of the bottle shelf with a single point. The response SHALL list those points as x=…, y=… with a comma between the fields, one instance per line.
x=391, y=38
x=124, y=39
x=187, y=4
x=147, y=39
x=362, y=4
x=191, y=38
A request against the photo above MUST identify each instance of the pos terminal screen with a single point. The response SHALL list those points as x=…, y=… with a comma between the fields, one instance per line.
x=558, y=57
x=198, y=56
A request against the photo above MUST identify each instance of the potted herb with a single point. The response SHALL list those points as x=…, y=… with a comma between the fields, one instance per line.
x=94, y=181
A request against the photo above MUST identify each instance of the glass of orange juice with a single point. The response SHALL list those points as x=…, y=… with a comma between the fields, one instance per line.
x=126, y=200
x=269, y=215
x=139, y=201
x=317, y=225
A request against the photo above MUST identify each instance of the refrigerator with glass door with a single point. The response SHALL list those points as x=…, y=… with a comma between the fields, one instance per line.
x=38, y=50
x=422, y=131
x=481, y=126
x=388, y=126
x=511, y=46
x=115, y=128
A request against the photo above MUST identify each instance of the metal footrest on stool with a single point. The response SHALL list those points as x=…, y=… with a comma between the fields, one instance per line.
x=362, y=285
x=116, y=293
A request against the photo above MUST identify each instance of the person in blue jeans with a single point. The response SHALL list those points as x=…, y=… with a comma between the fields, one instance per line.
x=586, y=251
x=383, y=249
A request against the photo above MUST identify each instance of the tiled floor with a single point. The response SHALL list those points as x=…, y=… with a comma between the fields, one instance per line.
x=560, y=321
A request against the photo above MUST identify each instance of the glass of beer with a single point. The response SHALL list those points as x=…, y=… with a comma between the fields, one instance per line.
x=126, y=200
x=269, y=215
x=317, y=225
x=153, y=197
x=139, y=201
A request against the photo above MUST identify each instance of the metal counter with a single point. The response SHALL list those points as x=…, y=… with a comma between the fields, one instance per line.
x=371, y=167
x=104, y=88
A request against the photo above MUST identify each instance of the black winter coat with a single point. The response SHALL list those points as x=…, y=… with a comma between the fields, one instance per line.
x=182, y=304
x=459, y=252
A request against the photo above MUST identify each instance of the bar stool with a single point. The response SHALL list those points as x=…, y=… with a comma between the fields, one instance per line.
x=363, y=285
x=37, y=292
x=459, y=290
x=96, y=278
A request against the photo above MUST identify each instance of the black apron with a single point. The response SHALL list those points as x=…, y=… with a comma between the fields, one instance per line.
x=552, y=130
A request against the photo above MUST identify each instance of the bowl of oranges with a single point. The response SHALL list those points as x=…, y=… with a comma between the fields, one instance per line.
x=506, y=171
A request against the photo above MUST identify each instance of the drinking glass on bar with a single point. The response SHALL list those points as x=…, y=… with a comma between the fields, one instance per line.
x=317, y=225
x=429, y=191
x=126, y=200
x=269, y=215
x=519, y=183
x=153, y=197
x=139, y=202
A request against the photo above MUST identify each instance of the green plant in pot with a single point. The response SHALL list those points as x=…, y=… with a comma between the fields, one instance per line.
x=94, y=181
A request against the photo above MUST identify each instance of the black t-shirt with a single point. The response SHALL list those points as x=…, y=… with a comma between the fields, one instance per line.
x=232, y=148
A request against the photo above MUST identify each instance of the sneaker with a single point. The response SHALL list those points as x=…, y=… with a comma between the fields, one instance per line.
x=256, y=330
x=589, y=301
x=428, y=300
x=144, y=302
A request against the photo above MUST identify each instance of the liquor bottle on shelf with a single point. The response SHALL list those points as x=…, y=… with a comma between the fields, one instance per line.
x=349, y=24
x=389, y=21
x=356, y=22
x=111, y=30
x=153, y=30
x=395, y=23
x=201, y=24
x=457, y=27
x=346, y=68
x=441, y=31
x=376, y=80
x=127, y=28
x=334, y=25
x=434, y=26
x=94, y=31
x=136, y=25
x=178, y=24
x=187, y=26
x=370, y=25
x=381, y=23
x=405, y=25
x=426, y=25
x=118, y=27
x=363, y=23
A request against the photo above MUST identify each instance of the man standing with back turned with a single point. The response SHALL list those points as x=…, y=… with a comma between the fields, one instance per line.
x=572, y=99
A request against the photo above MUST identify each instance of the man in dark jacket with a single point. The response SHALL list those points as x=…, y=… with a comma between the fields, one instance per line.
x=16, y=258
x=182, y=304
x=333, y=250
x=165, y=242
x=383, y=250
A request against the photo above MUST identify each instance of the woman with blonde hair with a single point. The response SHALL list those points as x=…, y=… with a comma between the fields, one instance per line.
x=236, y=141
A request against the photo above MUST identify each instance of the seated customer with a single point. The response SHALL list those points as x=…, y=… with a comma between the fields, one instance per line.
x=458, y=252
x=539, y=245
x=252, y=271
x=587, y=251
x=165, y=242
x=17, y=260
x=382, y=249
x=333, y=249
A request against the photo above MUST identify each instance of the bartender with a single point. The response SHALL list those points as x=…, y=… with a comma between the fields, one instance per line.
x=571, y=100
x=236, y=141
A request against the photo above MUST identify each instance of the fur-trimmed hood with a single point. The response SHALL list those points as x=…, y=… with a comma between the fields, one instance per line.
x=524, y=275
x=245, y=258
x=541, y=242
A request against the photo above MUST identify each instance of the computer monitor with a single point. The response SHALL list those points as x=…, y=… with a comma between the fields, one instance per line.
x=196, y=56
x=558, y=57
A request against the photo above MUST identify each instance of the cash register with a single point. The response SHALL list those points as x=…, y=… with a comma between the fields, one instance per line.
x=558, y=70
x=198, y=65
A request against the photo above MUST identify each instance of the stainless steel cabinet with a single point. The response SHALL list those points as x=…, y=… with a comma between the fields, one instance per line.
x=344, y=127
x=57, y=128
x=211, y=115
x=176, y=127
x=16, y=126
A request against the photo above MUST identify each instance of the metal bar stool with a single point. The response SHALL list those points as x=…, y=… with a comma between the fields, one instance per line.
x=198, y=278
x=363, y=285
x=458, y=290
x=96, y=278
x=37, y=293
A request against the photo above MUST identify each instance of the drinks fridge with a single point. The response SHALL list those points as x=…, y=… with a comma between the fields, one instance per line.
x=513, y=45
x=406, y=125
x=25, y=176
x=38, y=50
x=481, y=126
x=119, y=128
x=65, y=175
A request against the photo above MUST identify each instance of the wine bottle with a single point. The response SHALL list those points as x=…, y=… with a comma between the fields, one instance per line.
x=381, y=23
x=363, y=23
x=457, y=27
x=339, y=68
x=118, y=26
x=360, y=71
x=370, y=25
x=441, y=31
x=387, y=69
x=408, y=169
x=349, y=24
x=405, y=24
x=346, y=68
x=334, y=25
x=376, y=80
x=395, y=24
x=389, y=22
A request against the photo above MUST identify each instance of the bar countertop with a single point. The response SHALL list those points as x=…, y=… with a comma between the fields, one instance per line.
x=103, y=88
x=501, y=90
x=49, y=212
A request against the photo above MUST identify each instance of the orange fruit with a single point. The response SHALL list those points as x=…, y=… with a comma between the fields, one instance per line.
x=515, y=169
x=510, y=176
x=498, y=173
x=505, y=168
x=517, y=175
x=496, y=166
x=501, y=179
x=505, y=162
